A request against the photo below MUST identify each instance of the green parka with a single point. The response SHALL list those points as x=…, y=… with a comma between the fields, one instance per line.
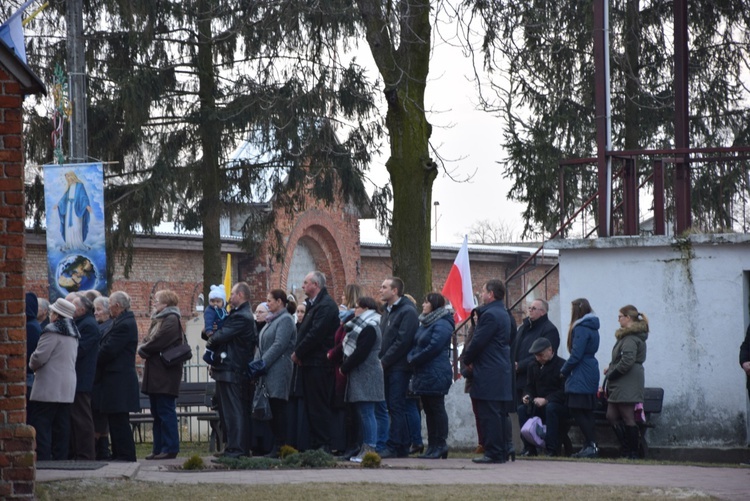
x=625, y=376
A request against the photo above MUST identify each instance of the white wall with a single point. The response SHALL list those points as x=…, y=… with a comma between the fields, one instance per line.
x=695, y=294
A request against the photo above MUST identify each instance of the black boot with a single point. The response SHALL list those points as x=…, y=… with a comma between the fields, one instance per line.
x=633, y=438
x=619, y=430
x=436, y=452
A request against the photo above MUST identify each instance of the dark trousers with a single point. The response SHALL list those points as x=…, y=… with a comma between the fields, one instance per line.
x=166, y=432
x=317, y=386
x=437, y=419
x=278, y=421
x=493, y=421
x=82, y=428
x=236, y=405
x=551, y=415
x=52, y=423
x=396, y=386
x=480, y=435
x=585, y=420
x=121, y=436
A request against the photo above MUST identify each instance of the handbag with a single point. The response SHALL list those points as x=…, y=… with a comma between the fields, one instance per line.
x=261, y=404
x=534, y=432
x=177, y=354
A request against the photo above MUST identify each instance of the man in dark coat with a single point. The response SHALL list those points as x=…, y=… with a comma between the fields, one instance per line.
x=314, y=338
x=488, y=358
x=398, y=324
x=234, y=346
x=81, y=418
x=535, y=326
x=116, y=381
x=544, y=395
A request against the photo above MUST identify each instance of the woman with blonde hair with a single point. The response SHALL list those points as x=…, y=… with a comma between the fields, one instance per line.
x=581, y=371
x=626, y=378
x=160, y=381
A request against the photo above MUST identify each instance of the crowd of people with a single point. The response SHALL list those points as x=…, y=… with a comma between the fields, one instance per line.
x=317, y=371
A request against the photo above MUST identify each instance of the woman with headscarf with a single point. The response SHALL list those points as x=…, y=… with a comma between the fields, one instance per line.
x=581, y=371
x=626, y=378
x=74, y=210
x=161, y=382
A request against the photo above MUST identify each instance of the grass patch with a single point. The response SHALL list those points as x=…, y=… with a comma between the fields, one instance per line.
x=75, y=490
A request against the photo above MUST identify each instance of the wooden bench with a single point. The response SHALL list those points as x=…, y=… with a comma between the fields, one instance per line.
x=653, y=398
x=192, y=395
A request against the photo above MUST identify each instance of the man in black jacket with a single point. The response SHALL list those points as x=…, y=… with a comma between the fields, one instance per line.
x=544, y=395
x=314, y=338
x=81, y=417
x=398, y=324
x=234, y=346
x=536, y=325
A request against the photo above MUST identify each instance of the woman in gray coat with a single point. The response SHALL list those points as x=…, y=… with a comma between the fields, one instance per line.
x=363, y=369
x=275, y=347
x=626, y=378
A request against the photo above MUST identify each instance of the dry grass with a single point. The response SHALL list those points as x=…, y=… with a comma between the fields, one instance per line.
x=148, y=491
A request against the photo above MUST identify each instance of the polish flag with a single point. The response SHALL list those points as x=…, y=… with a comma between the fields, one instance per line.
x=457, y=288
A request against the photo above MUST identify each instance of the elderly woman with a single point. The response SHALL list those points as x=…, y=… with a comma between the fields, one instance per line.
x=160, y=381
x=433, y=375
x=626, y=378
x=54, y=366
x=275, y=347
x=361, y=365
x=582, y=373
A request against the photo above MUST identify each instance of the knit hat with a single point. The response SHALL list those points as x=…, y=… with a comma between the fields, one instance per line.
x=217, y=292
x=63, y=308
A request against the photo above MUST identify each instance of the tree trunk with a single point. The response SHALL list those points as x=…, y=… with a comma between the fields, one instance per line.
x=404, y=65
x=210, y=206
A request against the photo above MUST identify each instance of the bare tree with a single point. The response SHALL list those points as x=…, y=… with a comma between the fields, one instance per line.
x=491, y=232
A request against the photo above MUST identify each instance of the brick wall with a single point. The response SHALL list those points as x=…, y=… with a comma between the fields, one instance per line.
x=16, y=438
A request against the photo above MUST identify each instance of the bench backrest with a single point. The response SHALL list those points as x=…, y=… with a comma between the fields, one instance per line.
x=653, y=398
x=191, y=395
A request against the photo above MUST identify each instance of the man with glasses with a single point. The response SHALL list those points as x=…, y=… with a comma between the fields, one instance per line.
x=536, y=325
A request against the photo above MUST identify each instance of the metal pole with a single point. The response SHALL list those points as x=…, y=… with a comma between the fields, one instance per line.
x=436, y=203
x=77, y=81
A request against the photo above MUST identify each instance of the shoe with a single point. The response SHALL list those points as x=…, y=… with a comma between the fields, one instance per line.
x=427, y=454
x=487, y=460
x=588, y=452
x=527, y=453
x=745, y=463
x=479, y=449
x=511, y=456
x=416, y=449
x=359, y=457
x=348, y=454
x=391, y=454
x=166, y=455
x=151, y=456
x=437, y=452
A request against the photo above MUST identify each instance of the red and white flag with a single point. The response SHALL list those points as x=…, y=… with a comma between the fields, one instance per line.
x=457, y=288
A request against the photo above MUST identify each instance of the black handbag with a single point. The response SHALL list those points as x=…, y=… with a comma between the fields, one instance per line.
x=261, y=404
x=177, y=354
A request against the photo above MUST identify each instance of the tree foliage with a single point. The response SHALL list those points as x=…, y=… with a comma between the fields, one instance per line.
x=544, y=52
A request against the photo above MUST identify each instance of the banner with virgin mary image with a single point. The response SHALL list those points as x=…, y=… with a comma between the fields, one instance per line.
x=76, y=256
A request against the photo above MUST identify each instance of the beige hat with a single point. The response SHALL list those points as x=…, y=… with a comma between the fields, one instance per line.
x=63, y=308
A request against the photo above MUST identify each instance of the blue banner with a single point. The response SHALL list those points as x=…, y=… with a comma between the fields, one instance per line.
x=76, y=255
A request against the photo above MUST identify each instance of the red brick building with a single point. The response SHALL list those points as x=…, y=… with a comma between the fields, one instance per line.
x=17, y=470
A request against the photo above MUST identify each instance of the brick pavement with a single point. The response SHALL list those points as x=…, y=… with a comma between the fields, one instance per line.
x=721, y=482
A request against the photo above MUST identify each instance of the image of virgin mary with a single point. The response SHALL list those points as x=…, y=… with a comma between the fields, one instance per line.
x=74, y=210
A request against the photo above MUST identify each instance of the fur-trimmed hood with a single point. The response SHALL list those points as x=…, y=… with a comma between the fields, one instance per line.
x=638, y=328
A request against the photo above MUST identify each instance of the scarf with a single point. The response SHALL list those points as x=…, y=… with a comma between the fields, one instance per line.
x=64, y=327
x=169, y=310
x=430, y=318
x=355, y=326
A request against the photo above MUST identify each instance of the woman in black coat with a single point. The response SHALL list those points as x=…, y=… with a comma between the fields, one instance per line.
x=433, y=375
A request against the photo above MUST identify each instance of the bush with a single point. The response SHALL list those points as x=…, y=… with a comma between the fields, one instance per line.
x=287, y=450
x=371, y=460
x=194, y=463
x=309, y=459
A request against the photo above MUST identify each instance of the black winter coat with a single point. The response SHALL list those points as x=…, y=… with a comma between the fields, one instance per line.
x=745, y=353
x=317, y=331
x=527, y=334
x=88, y=352
x=430, y=358
x=238, y=339
x=116, y=382
x=544, y=381
x=398, y=327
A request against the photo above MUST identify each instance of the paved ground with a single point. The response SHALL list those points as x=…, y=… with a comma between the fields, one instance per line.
x=722, y=482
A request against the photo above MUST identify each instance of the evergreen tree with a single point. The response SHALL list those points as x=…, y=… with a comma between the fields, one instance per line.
x=545, y=51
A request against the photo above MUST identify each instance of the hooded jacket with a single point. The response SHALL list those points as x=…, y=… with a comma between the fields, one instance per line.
x=625, y=375
x=582, y=368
